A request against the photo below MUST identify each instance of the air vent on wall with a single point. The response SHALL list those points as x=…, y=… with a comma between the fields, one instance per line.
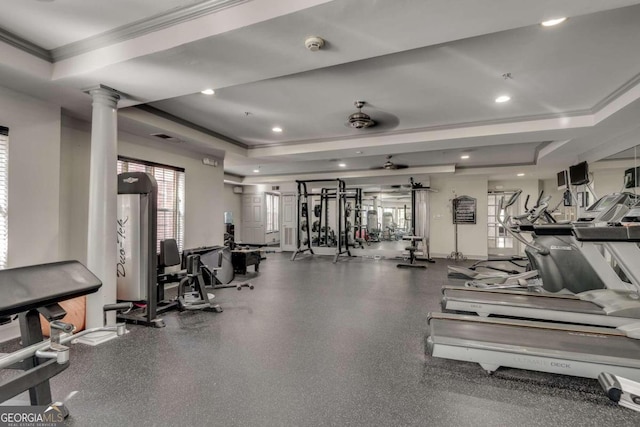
x=166, y=137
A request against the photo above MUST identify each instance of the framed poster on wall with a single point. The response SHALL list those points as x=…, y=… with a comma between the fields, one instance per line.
x=464, y=210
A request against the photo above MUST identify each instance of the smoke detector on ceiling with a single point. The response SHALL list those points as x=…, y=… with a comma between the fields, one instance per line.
x=314, y=43
x=360, y=120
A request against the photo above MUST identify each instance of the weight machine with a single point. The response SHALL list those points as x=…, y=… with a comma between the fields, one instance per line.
x=341, y=195
x=421, y=216
x=137, y=276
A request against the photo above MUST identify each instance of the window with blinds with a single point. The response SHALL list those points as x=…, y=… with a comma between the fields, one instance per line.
x=171, y=192
x=4, y=195
x=273, y=204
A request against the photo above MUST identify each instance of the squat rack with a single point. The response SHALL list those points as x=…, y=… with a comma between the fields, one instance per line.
x=302, y=220
x=323, y=214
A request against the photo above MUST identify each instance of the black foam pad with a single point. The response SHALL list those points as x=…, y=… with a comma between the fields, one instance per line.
x=28, y=288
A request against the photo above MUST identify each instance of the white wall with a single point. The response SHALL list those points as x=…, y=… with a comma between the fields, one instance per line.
x=608, y=181
x=233, y=204
x=204, y=198
x=75, y=150
x=34, y=178
x=472, y=239
x=34, y=183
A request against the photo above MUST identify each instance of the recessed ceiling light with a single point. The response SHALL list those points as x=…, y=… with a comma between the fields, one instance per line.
x=464, y=156
x=256, y=171
x=503, y=98
x=208, y=92
x=358, y=152
x=520, y=174
x=277, y=129
x=342, y=165
x=552, y=22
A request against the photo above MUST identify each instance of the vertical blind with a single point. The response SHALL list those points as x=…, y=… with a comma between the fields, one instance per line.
x=171, y=192
x=4, y=195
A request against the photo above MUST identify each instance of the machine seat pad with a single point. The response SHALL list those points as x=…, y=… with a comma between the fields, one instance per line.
x=607, y=234
x=27, y=288
x=411, y=248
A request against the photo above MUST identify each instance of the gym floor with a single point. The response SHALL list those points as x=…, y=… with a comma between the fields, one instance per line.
x=315, y=343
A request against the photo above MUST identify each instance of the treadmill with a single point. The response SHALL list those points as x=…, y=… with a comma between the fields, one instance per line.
x=582, y=351
x=616, y=306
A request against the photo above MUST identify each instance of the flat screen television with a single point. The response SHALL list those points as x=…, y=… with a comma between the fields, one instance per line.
x=579, y=174
x=562, y=180
x=631, y=176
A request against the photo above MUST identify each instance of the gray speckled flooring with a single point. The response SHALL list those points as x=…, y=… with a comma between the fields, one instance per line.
x=315, y=344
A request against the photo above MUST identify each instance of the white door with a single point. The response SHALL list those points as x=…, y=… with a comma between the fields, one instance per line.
x=288, y=224
x=253, y=219
x=500, y=242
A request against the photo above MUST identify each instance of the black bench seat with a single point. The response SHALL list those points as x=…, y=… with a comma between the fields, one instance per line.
x=28, y=288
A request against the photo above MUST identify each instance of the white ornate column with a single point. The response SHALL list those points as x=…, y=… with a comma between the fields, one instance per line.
x=103, y=194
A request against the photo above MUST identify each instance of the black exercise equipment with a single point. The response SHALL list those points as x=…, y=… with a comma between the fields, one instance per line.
x=412, y=258
x=137, y=264
x=34, y=291
x=192, y=294
x=323, y=234
x=216, y=266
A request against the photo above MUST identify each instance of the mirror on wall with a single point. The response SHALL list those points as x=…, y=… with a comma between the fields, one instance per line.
x=616, y=173
x=378, y=216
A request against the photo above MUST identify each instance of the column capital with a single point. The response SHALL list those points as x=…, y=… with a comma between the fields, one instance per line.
x=104, y=95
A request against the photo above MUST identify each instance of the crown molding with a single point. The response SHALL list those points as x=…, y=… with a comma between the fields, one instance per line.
x=140, y=27
x=25, y=45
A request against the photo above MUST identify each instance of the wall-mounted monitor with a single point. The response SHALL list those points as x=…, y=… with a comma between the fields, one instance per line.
x=579, y=174
x=631, y=176
x=562, y=180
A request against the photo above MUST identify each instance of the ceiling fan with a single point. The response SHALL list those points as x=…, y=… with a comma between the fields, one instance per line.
x=389, y=165
x=359, y=120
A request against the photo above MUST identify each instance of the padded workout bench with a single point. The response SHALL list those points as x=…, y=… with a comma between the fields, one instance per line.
x=412, y=248
x=33, y=291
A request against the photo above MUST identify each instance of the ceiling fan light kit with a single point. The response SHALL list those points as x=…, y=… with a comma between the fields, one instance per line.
x=360, y=120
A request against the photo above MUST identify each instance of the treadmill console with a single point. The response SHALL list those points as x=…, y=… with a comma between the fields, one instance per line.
x=609, y=208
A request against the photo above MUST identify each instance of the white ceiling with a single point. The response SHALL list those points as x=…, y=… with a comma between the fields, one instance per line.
x=429, y=71
x=54, y=23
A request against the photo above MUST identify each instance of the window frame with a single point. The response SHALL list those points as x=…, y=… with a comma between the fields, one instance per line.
x=272, y=212
x=177, y=210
